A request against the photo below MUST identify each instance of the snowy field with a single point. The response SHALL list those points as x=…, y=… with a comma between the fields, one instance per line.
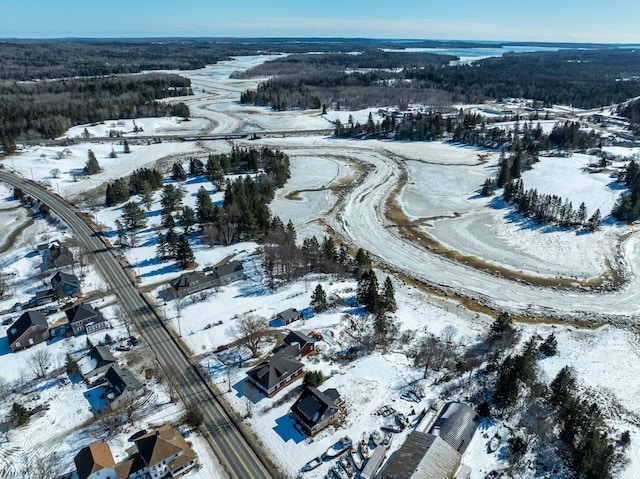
x=440, y=195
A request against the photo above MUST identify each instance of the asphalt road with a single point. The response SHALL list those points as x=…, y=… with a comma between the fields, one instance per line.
x=231, y=447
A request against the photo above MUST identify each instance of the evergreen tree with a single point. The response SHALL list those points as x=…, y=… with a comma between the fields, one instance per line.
x=167, y=221
x=177, y=172
x=204, y=207
x=127, y=149
x=161, y=246
x=184, y=253
x=487, y=188
x=71, y=364
x=368, y=291
x=388, y=295
x=188, y=219
x=133, y=216
x=172, y=242
x=91, y=167
x=502, y=327
x=171, y=198
x=594, y=222
x=581, y=215
x=550, y=346
x=113, y=153
x=196, y=167
x=505, y=174
x=319, y=299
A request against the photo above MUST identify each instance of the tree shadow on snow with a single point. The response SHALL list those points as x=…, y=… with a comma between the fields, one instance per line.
x=287, y=430
x=170, y=268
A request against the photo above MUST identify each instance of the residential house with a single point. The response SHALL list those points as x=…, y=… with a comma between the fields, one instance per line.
x=422, y=456
x=83, y=318
x=161, y=454
x=96, y=362
x=191, y=282
x=289, y=315
x=275, y=373
x=123, y=385
x=45, y=296
x=296, y=345
x=67, y=284
x=29, y=329
x=56, y=256
x=165, y=453
x=314, y=410
x=228, y=272
x=95, y=462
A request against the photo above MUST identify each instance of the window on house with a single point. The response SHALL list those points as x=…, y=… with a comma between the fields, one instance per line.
x=18, y=344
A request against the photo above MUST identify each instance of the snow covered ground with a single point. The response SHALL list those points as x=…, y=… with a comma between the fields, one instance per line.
x=441, y=195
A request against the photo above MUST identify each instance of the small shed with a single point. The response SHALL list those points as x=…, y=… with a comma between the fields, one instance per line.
x=289, y=315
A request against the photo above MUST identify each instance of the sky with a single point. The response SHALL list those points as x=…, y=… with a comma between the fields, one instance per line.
x=613, y=21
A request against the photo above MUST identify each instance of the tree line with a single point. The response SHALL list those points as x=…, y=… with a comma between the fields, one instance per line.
x=46, y=109
x=582, y=78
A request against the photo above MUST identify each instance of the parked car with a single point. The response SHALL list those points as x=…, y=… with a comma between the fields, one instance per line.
x=222, y=347
x=124, y=346
x=133, y=341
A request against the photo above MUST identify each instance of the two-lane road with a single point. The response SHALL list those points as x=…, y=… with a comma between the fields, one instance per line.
x=231, y=447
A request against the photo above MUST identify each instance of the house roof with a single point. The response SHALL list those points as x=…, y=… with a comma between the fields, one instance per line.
x=93, y=458
x=298, y=337
x=289, y=314
x=228, y=268
x=102, y=355
x=83, y=312
x=185, y=279
x=274, y=370
x=122, y=379
x=24, y=322
x=45, y=293
x=456, y=424
x=162, y=444
x=313, y=404
x=66, y=278
x=422, y=456
x=129, y=466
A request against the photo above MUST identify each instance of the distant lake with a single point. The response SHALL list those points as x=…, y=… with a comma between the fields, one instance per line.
x=468, y=55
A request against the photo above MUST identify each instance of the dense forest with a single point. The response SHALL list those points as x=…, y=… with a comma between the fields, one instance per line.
x=582, y=78
x=46, y=109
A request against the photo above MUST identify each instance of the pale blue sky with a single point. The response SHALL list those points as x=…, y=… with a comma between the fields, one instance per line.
x=614, y=21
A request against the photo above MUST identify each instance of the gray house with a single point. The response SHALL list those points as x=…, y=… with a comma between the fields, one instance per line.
x=275, y=373
x=314, y=410
x=289, y=315
x=29, y=329
x=191, y=282
x=228, y=272
x=123, y=385
x=456, y=424
x=84, y=318
x=96, y=362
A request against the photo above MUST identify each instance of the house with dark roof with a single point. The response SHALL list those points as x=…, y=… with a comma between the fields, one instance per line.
x=44, y=296
x=83, y=318
x=274, y=373
x=422, y=456
x=289, y=315
x=161, y=454
x=95, y=462
x=56, y=256
x=191, y=282
x=96, y=362
x=67, y=284
x=227, y=273
x=30, y=328
x=123, y=385
x=296, y=345
x=314, y=410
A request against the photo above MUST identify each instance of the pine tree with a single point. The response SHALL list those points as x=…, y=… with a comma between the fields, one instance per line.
x=505, y=175
x=188, y=219
x=368, y=291
x=204, y=207
x=178, y=173
x=319, y=299
x=184, y=253
x=487, y=188
x=127, y=149
x=71, y=364
x=133, y=216
x=92, y=166
x=550, y=346
x=161, y=246
x=388, y=295
x=594, y=222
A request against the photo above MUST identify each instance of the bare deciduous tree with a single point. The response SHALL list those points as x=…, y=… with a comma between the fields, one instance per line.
x=430, y=354
x=39, y=362
x=4, y=285
x=250, y=330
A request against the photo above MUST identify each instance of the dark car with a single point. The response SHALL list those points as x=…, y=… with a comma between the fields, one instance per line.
x=134, y=341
